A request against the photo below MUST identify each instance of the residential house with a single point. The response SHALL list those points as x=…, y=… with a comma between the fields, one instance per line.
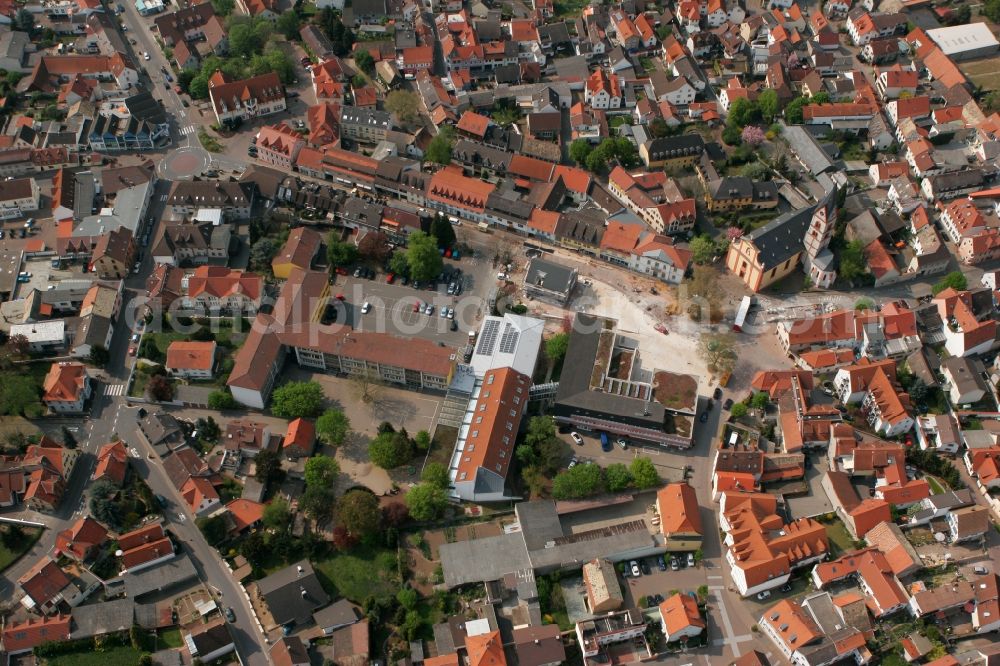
x=680, y=618
x=47, y=589
x=279, y=145
x=66, y=387
x=216, y=288
x=964, y=380
x=968, y=523
x=234, y=101
x=114, y=253
x=680, y=517
x=112, y=463
x=600, y=580
x=188, y=359
x=82, y=540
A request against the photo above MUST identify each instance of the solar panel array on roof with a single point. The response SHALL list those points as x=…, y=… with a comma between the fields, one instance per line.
x=488, y=338
x=508, y=341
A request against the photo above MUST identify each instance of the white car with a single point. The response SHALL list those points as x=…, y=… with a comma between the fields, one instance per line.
x=761, y=596
x=145, y=55
x=366, y=307
x=502, y=276
x=634, y=567
x=575, y=436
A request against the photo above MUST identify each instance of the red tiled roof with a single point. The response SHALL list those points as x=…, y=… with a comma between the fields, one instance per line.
x=490, y=444
x=44, y=581
x=64, y=382
x=190, y=355
x=245, y=513
x=473, y=123
x=24, y=636
x=677, y=504
x=85, y=534
x=112, y=463
x=301, y=435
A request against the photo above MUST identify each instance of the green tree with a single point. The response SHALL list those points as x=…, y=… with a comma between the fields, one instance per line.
x=398, y=264
x=267, y=467
x=422, y=440
x=793, y=110
x=423, y=256
x=321, y=472
x=852, y=261
x=68, y=440
x=255, y=548
x=359, y=512
x=719, y=352
x=955, y=280
x=223, y=7
x=617, y=477
x=99, y=356
x=318, y=503
x=442, y=230
x=426, y=501
x=390, y=450
x=213, y=529
x=24, y=21
x=991, y=10
x=702, y=249
x=439, y=149
x=160, y=388
x=408, y=598
x=404, y=104
x=332, y=427
x=297, y=399
x=864, y=303
x=288, y=25
x=340, y=253
x=820, y=98
x=579, y=150
x=759, y=400
x=556, y=346
x=739, y=410
x=436, y=474
x=768, y=104
x=742, y=112
x=658, y=128
x=198, y=88
x=363, y=59
x=581, y=481
x=277, y=515
x=220, y=400
x=261, y=254
x=644, y=473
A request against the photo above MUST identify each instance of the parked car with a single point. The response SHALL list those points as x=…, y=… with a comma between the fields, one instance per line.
x=766, y=594
x=718, y=393
x=622, y=444
x=979, y=570
x=418, y=306
x=728, y=404
x=674, y=564
x=135, y=337
x=574, y=461
x=365, y=307
x=575, y=436
x=390, y=278
x=605, y=442
x=454, y=325
x=634, y=568
x=690, y=559
x=661, y=564
x=230, y=614
x=787, y=587
x=644, y=566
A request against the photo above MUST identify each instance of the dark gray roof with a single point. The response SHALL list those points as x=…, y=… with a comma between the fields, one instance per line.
x=731, y=187
x=952, y=499
x=103, y=618
x=550, y=275
x=575, y=397
x=781, y=239
x=145, y=107
x=160, y=577
x=292, y=595
x=338, y=614
x=675, y=146
x=508, y=206
x=211, y=638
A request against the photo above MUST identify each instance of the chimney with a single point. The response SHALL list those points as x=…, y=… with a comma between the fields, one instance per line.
x=302, y=590
x=300, y=570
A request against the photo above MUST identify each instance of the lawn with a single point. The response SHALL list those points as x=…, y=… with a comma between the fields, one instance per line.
x=840, y=538
x=936, y=488
x=115, y=656
x=170, y=638
x=9, y=556
x=359, y=574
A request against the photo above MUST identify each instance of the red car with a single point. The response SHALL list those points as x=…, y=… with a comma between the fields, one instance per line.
x=341, y=271
x=340, y=297
x=131, y=350
x=390, y=278
x=416, y=306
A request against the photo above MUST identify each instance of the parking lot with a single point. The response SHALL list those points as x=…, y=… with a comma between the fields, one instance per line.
x=392, y=305
x=670, y=464
x=685, y=579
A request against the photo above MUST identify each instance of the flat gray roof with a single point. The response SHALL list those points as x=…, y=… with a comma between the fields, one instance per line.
x=485, y=559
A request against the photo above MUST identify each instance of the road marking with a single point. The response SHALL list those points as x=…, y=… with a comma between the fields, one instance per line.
x=715, y=577
x=726, y=624
x=188, y=130
x=114, y=389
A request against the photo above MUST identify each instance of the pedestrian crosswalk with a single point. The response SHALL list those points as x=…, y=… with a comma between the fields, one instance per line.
x=114, y=389
x=188, y=130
